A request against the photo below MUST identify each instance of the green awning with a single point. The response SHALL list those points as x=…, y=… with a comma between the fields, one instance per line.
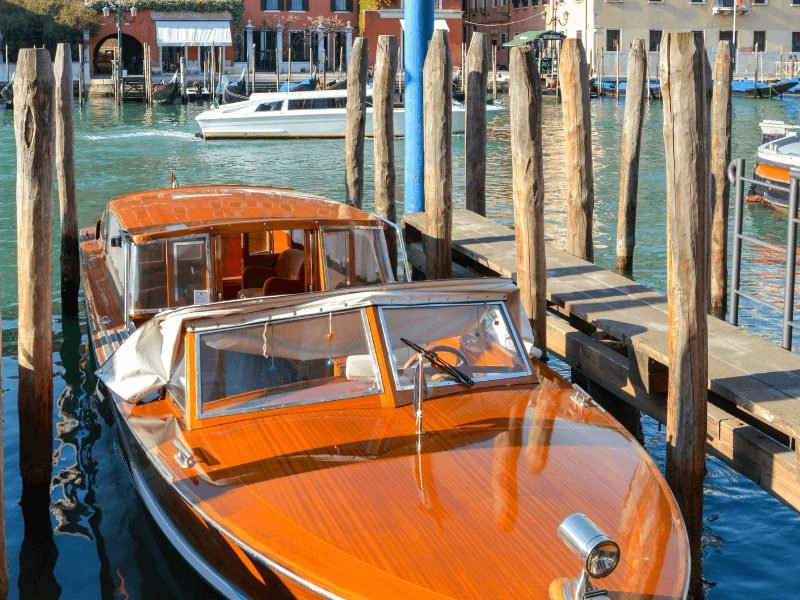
x=526, y=37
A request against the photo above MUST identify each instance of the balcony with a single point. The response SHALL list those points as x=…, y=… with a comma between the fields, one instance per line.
x=726, y=7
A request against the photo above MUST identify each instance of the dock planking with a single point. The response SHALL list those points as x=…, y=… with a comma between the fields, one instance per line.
x=754, y=411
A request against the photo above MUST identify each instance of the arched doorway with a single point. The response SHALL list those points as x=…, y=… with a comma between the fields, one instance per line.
x=132, y=55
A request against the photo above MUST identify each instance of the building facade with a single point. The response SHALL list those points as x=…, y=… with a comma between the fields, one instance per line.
x=608, y=25
x=310, y=33
x=501, y=20
x=389, y=21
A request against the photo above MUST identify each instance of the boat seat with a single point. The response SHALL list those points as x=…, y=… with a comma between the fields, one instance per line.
x=289, y=276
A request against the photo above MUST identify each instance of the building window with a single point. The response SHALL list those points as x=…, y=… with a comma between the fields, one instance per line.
x=297, y=5
x=270, y=5
x=494, y=3
x=759, y=1
x=759, y=38
x=612, y=39
x=795, y=2
x=699, y=1
x=655, y=40
x=297, y=43
x=796, y=41
x=726, y=35
x=342, y=5
x=502, y=39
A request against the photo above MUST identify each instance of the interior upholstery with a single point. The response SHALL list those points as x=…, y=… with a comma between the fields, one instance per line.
x=289, y=276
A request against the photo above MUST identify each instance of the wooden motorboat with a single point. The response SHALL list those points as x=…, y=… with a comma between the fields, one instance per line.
x=314, y=114
x=176, y=247
x=776, y=157
x=384, y=440
x=166, y=93
x=394, y=441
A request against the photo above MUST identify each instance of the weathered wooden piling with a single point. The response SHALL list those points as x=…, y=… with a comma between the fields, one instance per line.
x=65, y=170
x=253, y=70
x=33, y=114
x=182, y=69
x=477, y=75
x=355, y=126
x=528, y=189
x=81, y=76
x=573, y=74
x=635, y=98
x=438, y=107
x=383, y=130
x=720, y=186
x=616, y=87
x=494, y=73
x=683, y=92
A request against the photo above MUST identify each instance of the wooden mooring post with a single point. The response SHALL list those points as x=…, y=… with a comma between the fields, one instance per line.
x=683, y=91
x=81, y=76
x=253, y=70
x=616, y=87
x=635, y=98
x=3, y=552
x=355, y=126
x=720, y=186
x=383, y=130
x=182, y=69
x=573, y=73
x=438, y=107
x=477, y=74
x=33, y=114
x=528, y=189
x=65, y=170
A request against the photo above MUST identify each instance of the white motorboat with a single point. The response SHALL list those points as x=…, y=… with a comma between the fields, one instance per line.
x=776, y=157
x=316, y=114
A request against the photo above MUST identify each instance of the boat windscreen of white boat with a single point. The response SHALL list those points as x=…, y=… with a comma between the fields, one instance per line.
x=151, y=358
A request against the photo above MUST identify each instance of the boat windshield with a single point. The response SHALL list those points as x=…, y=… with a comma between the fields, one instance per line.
x=355, y=257
x=477, y=338
x=283, y=363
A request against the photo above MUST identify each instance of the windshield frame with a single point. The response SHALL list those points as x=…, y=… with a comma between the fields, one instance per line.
x=392, y=366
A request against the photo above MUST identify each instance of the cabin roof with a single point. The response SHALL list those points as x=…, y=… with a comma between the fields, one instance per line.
x=300, y=95
x=196, y=207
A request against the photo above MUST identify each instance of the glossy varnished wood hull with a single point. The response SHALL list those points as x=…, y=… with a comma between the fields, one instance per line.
x=473, y=513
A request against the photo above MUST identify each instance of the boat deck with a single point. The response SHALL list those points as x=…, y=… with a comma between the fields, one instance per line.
x=754, y=386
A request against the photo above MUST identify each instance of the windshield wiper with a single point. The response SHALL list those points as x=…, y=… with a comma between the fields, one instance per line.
x=445, y=366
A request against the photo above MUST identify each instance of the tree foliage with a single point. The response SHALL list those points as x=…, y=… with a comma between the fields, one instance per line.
x=28, y=23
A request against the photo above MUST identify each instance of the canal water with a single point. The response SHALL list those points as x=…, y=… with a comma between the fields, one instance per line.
x=94, y=539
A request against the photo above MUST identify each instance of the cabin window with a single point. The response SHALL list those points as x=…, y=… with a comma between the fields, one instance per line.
x=269, y=106
x=479, y=339
x=168, y=274
x=355, y=256
x=283, y=363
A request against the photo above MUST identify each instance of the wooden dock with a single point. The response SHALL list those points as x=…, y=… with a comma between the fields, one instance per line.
x=612, y=331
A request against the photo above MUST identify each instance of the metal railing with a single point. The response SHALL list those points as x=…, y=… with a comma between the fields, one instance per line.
x=737, y=178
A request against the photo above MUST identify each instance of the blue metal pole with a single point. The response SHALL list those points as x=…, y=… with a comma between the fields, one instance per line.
x=418, y=32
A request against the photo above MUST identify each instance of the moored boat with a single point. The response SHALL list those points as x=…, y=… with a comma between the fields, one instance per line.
x=762, y=89
x=383, y=440
x=317, y=114
x=7, y=92
x=166, y=93
x=775, y=158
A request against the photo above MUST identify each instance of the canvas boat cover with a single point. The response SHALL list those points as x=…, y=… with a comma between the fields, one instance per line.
x=193, y=33
x=147, y=360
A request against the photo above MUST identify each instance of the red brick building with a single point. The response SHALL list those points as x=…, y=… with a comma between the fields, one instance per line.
x=501, y=20
x=389, y=21
x=312, y=29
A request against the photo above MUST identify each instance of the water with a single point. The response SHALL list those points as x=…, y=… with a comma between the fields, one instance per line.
x=93, y=537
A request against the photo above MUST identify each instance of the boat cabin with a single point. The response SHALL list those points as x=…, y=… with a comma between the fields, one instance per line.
x=177, y=247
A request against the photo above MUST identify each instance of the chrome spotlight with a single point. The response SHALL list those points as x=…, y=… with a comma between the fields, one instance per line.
x=599, y=554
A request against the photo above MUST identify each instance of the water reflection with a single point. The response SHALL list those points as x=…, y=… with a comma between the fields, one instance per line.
x=38, y=553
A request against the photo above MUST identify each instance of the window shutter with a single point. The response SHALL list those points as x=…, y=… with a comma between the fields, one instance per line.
x=305, y=5
x=281, y=4
x=333, y=5
x=349, y=6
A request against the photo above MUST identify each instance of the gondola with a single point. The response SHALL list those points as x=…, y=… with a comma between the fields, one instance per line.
x=235, y=92
x=166, y=93
x=762, y=89
x=7, y=92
